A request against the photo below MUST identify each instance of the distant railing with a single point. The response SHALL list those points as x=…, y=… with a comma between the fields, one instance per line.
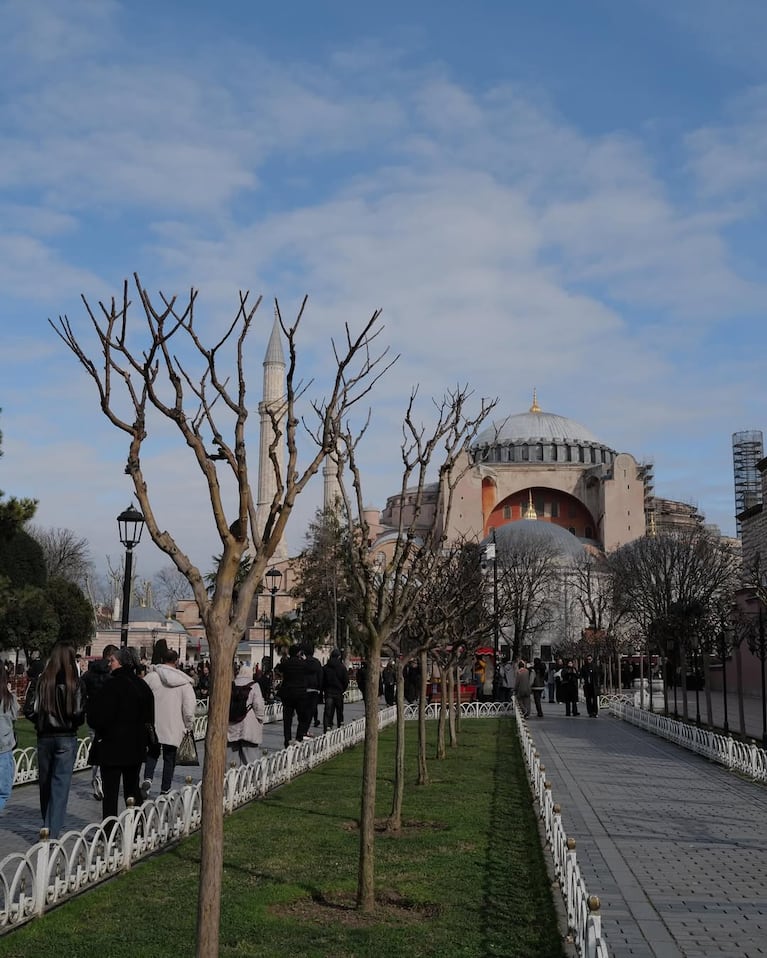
x=747, y=758
x=583, y=918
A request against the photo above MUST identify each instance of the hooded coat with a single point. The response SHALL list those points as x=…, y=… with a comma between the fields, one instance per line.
x=174, y=702
x=251, y=728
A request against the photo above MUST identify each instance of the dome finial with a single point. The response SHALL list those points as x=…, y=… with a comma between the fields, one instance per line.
x=535, y=407
x=530, y=512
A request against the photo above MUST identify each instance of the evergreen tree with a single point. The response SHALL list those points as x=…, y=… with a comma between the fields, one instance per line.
x=323, y=580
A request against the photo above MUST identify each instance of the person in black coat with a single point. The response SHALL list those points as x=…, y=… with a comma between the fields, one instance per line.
x=590, y=679
x=94, y=680
x=119, y=713
x=294, y=694
x=568, y=688
x=335, y=679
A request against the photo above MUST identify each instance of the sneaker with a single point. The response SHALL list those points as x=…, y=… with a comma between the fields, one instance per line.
x=146, y=787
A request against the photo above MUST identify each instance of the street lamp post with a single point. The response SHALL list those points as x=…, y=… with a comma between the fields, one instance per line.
x=275, y=577
x=491, y=555
x=130, y=524
x=264, y=620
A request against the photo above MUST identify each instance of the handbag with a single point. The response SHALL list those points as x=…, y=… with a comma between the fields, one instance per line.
x=152, y=742
x=186, y=754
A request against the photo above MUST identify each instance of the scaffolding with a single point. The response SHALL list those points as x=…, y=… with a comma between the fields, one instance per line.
x=747, y=451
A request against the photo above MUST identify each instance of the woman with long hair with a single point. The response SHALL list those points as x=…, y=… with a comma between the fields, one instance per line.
x=55, y=703
x=9, y=710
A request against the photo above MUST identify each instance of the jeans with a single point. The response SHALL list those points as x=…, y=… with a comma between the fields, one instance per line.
x=168, y=766
x=537, y=695
x=7, y=771
x=55, y=761
x=334, y=705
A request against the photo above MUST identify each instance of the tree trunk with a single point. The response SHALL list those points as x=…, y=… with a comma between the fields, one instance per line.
x=683, y=669
x=458, y=699
x=423, y=770
x=739, y=683
x=222, y=651
x=664, y=673
x=451, y=689
x=366, y=871
x=443, y=706
x=707, y=688
x=395, y=818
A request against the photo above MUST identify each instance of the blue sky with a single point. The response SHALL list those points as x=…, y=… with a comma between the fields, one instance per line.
x=560, y=195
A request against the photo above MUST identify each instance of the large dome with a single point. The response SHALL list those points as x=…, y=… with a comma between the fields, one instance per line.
x=524, y=531
x=535, y=427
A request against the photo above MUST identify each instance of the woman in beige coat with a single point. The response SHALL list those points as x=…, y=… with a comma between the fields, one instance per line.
x=245, y=734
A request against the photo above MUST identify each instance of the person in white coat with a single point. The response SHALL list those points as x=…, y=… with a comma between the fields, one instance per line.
x=244, y=734
x=174, y=707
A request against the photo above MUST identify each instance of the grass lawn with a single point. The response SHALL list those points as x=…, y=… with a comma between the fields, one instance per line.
x=26, y=737
x=466, y=878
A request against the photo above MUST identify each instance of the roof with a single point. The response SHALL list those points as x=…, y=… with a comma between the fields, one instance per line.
x=534, y=427
x=514, y=535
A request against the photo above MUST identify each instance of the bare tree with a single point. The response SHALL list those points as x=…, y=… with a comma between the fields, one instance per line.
x=449, y=616
x=167, y=372
x=669, y=583
x=168, y=586
x=67, y=555
x=528, y=579
x=384, y=586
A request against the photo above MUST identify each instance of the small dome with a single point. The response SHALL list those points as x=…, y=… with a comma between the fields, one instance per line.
x=514, y=534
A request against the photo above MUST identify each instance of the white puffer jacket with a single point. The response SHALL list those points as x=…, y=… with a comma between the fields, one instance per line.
x=174, y=702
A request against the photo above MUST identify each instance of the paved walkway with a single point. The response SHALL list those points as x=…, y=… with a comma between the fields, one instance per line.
x=20, y=821
x=674, y=846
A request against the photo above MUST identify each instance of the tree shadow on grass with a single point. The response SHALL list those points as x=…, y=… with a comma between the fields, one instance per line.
x=518, y=917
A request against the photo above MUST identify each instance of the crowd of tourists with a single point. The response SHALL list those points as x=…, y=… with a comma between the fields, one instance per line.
x=562, y=680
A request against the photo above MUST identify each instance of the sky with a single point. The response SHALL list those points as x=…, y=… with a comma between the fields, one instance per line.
x=566, y=196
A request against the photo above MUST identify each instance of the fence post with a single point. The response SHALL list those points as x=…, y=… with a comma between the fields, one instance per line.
x=129, y=829
x=40, y=884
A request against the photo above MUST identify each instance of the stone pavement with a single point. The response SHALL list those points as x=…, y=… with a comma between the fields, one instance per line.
x=20, y=821
x=674, y=846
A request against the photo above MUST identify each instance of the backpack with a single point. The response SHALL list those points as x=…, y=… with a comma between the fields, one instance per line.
x=238, y=704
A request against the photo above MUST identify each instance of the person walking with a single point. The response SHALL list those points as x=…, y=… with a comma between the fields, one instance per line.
x=95, y=678
x=590, y=679
x=9, y=712
x=119, y=713
x=538, y=684
x=558, y=681
x=523, y=686
x=389, y=678
x=174, y=708
x=568, y=688
x=245, y=731
x=313, y=683
x=335, y=679
x=55, y=704
x=294, y=694
x=551, y=682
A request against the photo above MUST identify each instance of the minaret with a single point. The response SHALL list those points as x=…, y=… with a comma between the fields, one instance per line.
x=331, y=498
x=273, y=401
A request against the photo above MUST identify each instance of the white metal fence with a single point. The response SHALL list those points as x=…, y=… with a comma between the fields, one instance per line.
x=53, y=870
x=583, y=918
x=744, y=757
